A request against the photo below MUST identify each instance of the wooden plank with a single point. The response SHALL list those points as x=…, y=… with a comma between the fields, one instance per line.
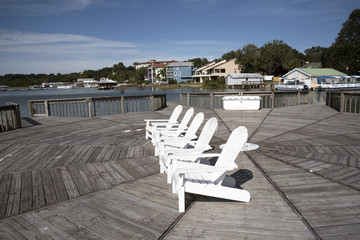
x=13, y=205
x=85, y=174
x=59, y=186
x=96, y=177
x=37, y=190
x=70, y=227
x=44, y=227
x=120, y=170
x=7, y=231
x=26, y=192
x=5, y=185
x=69, y=183
x=49, y=189
x=78, y=180
x=16, y=160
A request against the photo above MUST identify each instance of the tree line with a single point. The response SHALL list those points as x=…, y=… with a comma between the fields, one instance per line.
x=277, y=58
x=273, y=58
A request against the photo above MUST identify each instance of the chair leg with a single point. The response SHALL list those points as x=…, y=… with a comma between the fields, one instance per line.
x=147, y=135
x=156, y=151
x=161, y=167
x=181, y=196
x=169, y=178
x=173, y=187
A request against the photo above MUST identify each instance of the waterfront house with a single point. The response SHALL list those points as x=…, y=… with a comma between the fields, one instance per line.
x=179, y=71
x=154, y=73
x=87, y=82
x=215, y=70
x=151, y=63
x=236, y=79
x=309, y=76
x=106, y=83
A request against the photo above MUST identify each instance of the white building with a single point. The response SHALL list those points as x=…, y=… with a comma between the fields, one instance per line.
x=240, y=78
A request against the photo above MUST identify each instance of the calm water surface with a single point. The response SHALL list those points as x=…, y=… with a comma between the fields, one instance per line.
x=22, y=96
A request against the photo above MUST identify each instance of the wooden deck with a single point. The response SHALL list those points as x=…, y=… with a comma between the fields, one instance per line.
x=97, y=178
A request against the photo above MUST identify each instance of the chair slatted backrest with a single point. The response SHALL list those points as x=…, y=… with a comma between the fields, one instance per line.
x=195, y=125
x=186, y=119
x=207, y=132
x=174, y=116
x=233, y=146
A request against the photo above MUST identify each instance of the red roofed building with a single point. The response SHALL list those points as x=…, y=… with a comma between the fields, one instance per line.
x=151, y=63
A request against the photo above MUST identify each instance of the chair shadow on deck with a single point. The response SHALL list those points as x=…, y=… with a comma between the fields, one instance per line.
x=241, y=177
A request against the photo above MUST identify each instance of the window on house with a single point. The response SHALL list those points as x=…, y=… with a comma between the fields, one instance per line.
x=179, y=73
x=216, y=70
x=175, y=73
x=222, y=70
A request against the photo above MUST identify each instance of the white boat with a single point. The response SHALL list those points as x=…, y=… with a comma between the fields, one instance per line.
x=65, y=87
x=292, y=84
x=338, y=82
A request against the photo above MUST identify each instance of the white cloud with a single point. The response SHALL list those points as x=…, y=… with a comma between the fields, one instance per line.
x=31, y=52
x=20, y=41
x=42, y=7
x=63, y=52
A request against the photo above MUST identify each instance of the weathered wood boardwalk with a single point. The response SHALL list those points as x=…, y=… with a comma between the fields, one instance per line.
x=97, y=178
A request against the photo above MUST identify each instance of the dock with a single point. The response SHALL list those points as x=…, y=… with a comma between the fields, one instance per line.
x=97, y=178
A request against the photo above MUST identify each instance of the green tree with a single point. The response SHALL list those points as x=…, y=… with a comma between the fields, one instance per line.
x=218, y=83
x=344, y=53
x=248, y=58
x=277, y=58
x=314, y=54
x=198, y=62
x=232, y=54
x=139, y=75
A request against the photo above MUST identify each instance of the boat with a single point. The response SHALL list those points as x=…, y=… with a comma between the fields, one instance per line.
x=338, y=82
x=291, y=85
x=106, y=87
x=65, y=87
x=106, y=84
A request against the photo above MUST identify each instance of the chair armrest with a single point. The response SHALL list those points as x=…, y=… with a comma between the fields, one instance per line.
x=162, y=123
x=199, y=168
x=156, y=120
x=177, y=140
x=190, y=152
x=171, y=130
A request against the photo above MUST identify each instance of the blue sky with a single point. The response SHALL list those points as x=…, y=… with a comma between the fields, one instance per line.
x=63, y=36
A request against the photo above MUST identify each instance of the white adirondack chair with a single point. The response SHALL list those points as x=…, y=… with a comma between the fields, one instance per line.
x=212, y=180
x=176, y=129
x=152, y=124
x=170, y=135
x=167, y=153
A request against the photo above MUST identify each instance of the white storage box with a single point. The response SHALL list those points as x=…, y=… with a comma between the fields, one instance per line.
x=241, y=102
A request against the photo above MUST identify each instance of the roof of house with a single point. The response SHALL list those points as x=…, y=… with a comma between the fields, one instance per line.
x=181, y=64
x=155, y=62
x=213, y=65
x=245, y=75
x=159, y=65
x=106, y=80
x=315, y=72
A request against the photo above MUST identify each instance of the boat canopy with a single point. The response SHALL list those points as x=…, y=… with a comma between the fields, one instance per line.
x=296, y=78
x=339, y=77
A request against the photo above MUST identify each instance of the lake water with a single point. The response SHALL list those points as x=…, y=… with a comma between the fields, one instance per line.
x=22, y=96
